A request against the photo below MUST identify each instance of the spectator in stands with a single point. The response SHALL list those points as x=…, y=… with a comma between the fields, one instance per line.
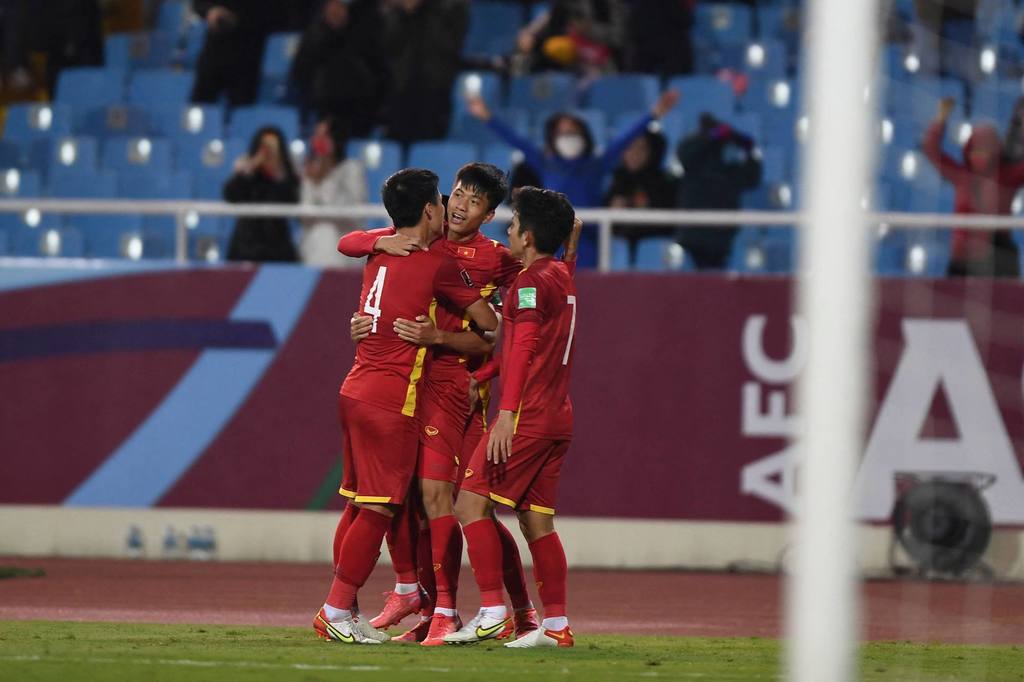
x=658, y=37
x=70, y=32
x=423, y=42
x=339, y=67
x=937, y=53
x=568, y=162
x=229, y=63
x=581, y=35
x=1013, y=149
x=641, y=181
x=329, y=179
x=264, y=176
x=719, y=164
x=985, y=183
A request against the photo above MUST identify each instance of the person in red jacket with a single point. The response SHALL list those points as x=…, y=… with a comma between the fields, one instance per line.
x=985, y=183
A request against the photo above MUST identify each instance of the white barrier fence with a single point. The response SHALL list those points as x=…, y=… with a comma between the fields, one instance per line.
x=605, y=219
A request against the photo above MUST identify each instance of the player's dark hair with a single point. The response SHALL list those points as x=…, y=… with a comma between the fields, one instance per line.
x=406, y=192
x=486, y=179
x=547, y=214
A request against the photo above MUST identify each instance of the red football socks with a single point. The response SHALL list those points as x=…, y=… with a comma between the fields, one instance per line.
x=485, y=558
x=550, y=571
x=347, y=517
x=359, y=552
x=401, y=537
x=512, y=568
x=425, y=568
x=446, y=556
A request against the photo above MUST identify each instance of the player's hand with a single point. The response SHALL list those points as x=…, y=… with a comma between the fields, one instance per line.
x=360, y=326
x=396, y=245
x=946, y=106
x=572, y=244
x=420, y=332
x=499, y=443
x=478, y=108
x=665, y=103
x=474, y=393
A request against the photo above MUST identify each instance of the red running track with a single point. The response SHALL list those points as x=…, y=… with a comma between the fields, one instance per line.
x=662, y=602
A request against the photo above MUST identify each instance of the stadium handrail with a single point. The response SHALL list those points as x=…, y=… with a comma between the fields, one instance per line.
x=604, y=218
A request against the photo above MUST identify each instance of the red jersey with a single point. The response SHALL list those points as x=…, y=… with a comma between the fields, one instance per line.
x=543, y=296
x=387, y=370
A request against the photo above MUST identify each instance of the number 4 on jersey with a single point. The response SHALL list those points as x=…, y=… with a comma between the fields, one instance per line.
x=373, y=297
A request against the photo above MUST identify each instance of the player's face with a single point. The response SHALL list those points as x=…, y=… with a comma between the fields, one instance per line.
x=468, y=209
x=516, y=241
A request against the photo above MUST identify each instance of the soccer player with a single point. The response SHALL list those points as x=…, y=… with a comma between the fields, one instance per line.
x=379, y=395
x=519, y=462
x=450, y=426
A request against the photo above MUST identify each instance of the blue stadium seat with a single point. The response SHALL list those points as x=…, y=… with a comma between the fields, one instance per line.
x=466, y=128
x=104, y=235
x=31, y=121
x=155, y=184
x=762, y=59
x=656, y=254
x=137, y=153
x=152, y=86
x=210, y=162
x=620, y=254
x=775, y=164
x=245, y=121
x=195, y=37
x=498, y=231
x=623, y=92
x=763, y=250
x=76, y=153
x=484, y=84
x=700, y=94
x=995, y=99
x=67, y=183
x=113, y=119
x=551, y=91
x=380, y=158
x=16, y=183
x=500, y=155
x=918, y=99
x=492, y=29
x=84, y=87
x=172, y=16
x=11, y=154
x=207, y=237
x=594, y=118
x=147, y=50
x=277, y=61
x=444, y=158
x=177, y=121
x=24, y=230
x=56, y=241
x=725, y=23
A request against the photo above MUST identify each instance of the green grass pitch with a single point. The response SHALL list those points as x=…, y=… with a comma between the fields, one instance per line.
x=51, y=651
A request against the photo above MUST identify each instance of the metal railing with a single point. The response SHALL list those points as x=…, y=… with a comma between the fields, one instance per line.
x=604, y=218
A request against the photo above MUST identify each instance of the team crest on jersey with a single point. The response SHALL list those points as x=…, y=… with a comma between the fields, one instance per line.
x=437, y=568
x=469, y=472
x=431, y=430
x=466, y=252
x=467, y=279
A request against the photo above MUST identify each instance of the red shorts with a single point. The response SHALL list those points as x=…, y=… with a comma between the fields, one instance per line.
x=380, y=453
x=470, y=439
x=528, y=481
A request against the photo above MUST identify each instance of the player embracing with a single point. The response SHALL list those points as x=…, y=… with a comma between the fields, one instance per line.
x=379, y=395
x=519, y=462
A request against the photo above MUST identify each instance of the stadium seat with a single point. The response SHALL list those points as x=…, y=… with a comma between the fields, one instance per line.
x=195, y=37
x=498, y=231
x=700, y=94
x=775, y=164
x=763, y=250
x=918, y=99
x=16, y=183
x=114, y=119
x=149, y=50
x=71, y=183
x=277, y=61
x=501, y=155
x=620, y=254
x=245, y=121
x=493, y=27
x=381, y=158
x=444, y=158
x=31, y=121
x=57, y=241
x=25, y=230
x=210, y=162
x=84, y=87
x=762, y=59
x=155, y=184
x=656, y=254
x=623, y=92
x=725, y=23
x=137, y=153
x=153, y=86
x=595, y=120
x=484, y=84
x=105, y=234
x=466, y=128
x=11, y=154
x=995, y=99
x=207, y=237
x=177, y=121
x=46, y=154
x=172, y=16
x=551, y=91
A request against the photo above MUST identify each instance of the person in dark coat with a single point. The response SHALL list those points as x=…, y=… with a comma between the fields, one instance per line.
x=229, y=63
x=339, y=69
x=424, y=41
x=718, y=166
x=264, y=176
x=641, y=181
x=658, y=37
x=985, y=182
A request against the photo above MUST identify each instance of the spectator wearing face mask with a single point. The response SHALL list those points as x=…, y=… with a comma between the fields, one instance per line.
x=329, y=179
x=985, y=183
x=568, y=162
